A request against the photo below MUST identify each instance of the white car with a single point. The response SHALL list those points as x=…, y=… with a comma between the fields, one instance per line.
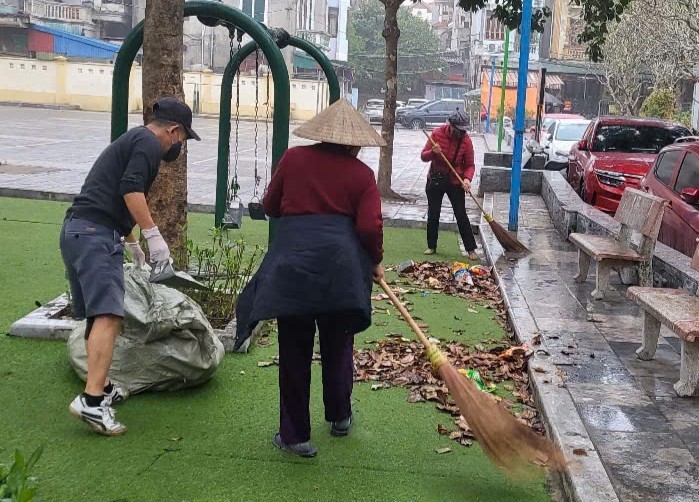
x=373, y=110
x=561, y=136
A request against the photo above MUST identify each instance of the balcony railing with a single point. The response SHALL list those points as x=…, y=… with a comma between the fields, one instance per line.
x=57, y=11
x=319, y=38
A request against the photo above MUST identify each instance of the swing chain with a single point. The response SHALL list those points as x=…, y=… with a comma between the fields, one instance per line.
x=267, y=119
x=235, y=186
x=257, y=101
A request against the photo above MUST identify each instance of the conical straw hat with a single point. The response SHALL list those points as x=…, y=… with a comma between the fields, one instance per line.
x=341, y=124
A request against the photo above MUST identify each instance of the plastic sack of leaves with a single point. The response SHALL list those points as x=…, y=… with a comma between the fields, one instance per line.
x=166, y=341
x=475, y=377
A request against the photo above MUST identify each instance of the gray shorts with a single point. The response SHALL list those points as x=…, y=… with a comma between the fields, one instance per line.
x=94, y=258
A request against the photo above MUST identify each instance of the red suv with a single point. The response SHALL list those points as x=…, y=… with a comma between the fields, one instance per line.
x=615, y=153
x=675, y=177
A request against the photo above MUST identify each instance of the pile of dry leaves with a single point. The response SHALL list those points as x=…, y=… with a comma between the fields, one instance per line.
x=484, y=290
x=400, y=362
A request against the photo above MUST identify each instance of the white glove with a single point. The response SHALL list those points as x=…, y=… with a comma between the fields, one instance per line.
x=156, y=245
x=137, y=255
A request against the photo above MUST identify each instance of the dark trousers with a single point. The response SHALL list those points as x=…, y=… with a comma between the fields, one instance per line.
x=457, y=197
x=296, y=339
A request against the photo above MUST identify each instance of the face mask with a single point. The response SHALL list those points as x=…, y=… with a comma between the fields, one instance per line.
x=173, y=152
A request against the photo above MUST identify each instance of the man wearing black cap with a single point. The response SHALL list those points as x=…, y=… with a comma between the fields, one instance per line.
x=452, y=139
x=96, y=229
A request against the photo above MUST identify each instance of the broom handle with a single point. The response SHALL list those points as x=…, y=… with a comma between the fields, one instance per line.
x=453, y=170
x=406, y=315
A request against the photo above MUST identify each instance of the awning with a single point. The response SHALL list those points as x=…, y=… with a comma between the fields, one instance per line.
x=552, y=81
x=550, y=99
x=305, y=62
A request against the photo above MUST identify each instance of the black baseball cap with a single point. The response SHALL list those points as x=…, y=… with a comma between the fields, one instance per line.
x=174, y=110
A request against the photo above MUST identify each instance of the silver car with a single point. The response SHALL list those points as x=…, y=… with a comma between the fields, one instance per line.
x=373, y=110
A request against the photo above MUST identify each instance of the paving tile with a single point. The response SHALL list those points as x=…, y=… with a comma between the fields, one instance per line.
x=623, y=418
x=649, y=466
x=665, y=364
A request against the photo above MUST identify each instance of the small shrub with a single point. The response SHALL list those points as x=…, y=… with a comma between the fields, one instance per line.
x=225, y=266
x=16, y=485
x=661, y=104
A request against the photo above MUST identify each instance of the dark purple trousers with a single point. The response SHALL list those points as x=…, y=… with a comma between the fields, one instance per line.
x=296, y=340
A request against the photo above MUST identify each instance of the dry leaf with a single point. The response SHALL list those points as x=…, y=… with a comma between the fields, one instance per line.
x=536, y=340
x=264, y=364
x=442, y=451
x=580, y=452
x=443, y=431
x=539, y=369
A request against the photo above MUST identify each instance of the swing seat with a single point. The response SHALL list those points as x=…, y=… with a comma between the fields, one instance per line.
x=234, y=216
x=256, y=211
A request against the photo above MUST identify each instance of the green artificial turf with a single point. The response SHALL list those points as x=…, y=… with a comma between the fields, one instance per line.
x=214, y=442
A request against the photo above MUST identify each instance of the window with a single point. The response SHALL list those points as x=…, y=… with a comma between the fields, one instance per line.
x=33, y=67
x=254, y=8
x=101, y=72
x=44, y=68
x=665, y=165
x=632, y=138
x=80, y=70
x=494, y=29
x=689, y=173
x=12, y=65
x=21, y=67
x=333, y=13
x=570, y=132
x=90, y=70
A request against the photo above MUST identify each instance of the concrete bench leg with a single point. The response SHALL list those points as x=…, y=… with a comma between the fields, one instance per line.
x=645, y=274
x=583, y=267
x=603, y=270
x=689, y=370
x=651, y=332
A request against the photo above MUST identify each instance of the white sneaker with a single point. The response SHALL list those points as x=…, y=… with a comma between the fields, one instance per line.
x=116, y=396
x=100, y=418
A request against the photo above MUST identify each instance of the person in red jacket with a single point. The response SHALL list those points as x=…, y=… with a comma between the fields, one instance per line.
x=318, y=271
x=453, y=140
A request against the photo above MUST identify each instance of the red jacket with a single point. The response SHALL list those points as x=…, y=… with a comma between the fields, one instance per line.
x=325, y=179
x=464, y=163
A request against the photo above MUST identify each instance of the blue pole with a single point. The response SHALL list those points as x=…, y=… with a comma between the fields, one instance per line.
x=515, y=183
x=490, y=96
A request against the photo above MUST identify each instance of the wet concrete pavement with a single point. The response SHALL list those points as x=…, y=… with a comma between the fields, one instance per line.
x=646, y=436
x=51, y=151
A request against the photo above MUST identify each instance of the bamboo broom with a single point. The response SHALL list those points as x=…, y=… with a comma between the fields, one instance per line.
x=509, y=444
x=505, y=238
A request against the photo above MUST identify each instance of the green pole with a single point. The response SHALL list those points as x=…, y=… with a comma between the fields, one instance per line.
x=501, y=120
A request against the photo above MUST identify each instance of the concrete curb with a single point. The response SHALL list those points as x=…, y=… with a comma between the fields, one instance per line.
x=585, y=478
x=47, y=106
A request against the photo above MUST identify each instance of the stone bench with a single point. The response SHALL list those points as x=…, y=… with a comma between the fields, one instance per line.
x=638, y=212
x=678, y=310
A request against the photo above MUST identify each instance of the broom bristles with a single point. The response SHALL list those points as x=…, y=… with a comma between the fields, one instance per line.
x=511, y=445
x=506, y=239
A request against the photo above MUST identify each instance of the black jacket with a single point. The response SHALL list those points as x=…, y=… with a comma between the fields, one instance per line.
x=314, y=266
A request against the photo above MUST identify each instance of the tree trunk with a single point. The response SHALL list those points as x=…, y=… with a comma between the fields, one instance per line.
x=162, y=77
x=391, y=33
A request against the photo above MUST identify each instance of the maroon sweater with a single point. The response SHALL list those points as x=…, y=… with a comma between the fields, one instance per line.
x=325, y=179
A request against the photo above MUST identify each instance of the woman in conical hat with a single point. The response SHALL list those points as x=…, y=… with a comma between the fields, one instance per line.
x=327, y=248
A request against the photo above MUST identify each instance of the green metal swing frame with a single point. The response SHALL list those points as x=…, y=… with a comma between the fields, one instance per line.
x=262, y=39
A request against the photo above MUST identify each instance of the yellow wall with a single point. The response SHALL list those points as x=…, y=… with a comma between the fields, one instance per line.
x=89, y=86
x=510, y=99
